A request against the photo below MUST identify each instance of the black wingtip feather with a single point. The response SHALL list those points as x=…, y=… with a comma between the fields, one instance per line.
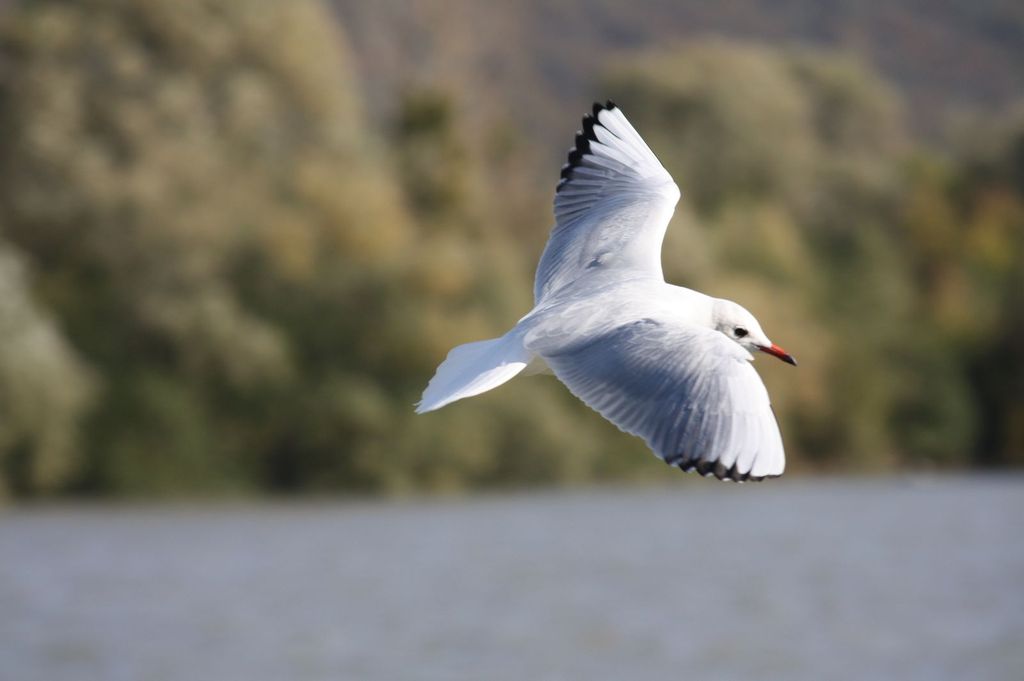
x=715, y=468
x=583, y=139
x=588, y=127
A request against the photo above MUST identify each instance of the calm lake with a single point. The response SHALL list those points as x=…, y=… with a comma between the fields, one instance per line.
x=794, y=579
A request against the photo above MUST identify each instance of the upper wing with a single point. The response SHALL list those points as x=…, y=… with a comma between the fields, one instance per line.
x=690, y=392
x=611, y=207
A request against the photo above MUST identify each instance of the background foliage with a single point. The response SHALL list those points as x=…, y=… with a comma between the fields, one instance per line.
x=224, y=265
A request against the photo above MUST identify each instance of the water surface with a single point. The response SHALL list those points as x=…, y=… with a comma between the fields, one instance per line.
x=803, y=579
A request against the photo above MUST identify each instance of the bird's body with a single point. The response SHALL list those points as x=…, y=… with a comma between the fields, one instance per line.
x=663, y=362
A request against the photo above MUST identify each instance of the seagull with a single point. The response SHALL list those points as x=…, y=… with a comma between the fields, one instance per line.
x=662, y=362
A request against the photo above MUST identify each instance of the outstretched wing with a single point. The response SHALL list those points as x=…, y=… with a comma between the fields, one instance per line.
x=689, y=392
x=612, y=205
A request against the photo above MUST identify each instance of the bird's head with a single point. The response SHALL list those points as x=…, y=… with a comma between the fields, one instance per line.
x=738, y=324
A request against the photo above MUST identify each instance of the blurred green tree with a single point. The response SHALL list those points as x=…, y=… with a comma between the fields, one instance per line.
x=44, y=389
x=159, y=151
x=963, y=229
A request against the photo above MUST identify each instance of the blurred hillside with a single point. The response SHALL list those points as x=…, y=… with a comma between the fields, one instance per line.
x=237, y=237
x=950, y=59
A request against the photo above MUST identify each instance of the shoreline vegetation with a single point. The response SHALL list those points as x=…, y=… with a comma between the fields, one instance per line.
x=221, y=273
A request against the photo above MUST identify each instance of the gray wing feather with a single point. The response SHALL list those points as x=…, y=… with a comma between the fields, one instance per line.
x=689, y=392
x=612, y=205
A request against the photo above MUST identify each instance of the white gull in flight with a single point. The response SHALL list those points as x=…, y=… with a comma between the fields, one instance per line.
x=663, y=362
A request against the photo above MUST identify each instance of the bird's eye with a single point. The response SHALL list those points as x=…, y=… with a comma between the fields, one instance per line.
x=739, y=332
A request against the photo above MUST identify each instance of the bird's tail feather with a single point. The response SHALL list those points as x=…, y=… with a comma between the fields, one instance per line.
x=474, y=368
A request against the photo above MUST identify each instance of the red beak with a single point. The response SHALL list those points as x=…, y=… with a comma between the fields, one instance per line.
x=778, y=352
